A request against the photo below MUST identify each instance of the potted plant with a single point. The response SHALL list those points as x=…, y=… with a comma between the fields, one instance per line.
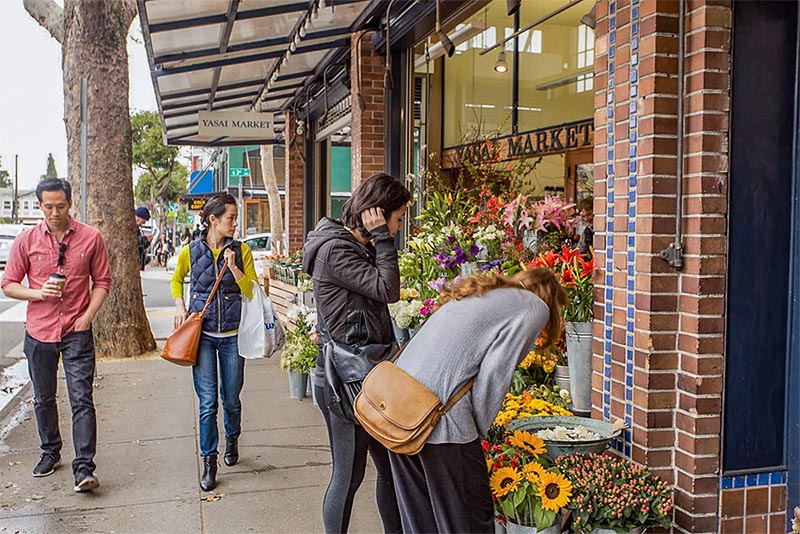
x=611, y=495
x=527, y=490
x=300, y=353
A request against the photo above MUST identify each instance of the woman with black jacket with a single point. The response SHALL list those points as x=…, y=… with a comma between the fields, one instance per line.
x=353, y=264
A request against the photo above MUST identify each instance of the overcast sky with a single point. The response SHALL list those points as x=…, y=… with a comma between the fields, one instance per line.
x=31, y=100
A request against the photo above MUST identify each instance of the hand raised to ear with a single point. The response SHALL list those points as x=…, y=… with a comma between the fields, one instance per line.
x=372, y=218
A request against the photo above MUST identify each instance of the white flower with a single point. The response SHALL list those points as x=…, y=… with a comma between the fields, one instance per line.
x=296, y=311
x=564, y=394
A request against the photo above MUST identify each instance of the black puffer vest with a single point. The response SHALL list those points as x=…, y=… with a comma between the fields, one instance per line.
x=225, y=310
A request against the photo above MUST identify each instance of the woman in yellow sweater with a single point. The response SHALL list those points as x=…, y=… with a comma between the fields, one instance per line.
x=202, y=260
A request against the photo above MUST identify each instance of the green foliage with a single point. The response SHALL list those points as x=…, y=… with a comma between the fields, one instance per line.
x=5, y=181
x=146, y=189
x=149, y=151
x=51, y=171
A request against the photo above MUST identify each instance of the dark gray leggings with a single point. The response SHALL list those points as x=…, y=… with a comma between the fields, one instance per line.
x=349, y=445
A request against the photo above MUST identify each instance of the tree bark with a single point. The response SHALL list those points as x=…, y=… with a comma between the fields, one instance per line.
x=94, y=47
x=271, y=184
x=49, y=15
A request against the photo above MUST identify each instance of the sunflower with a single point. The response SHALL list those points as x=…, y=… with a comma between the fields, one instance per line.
x=504, y=481
x=554, y=490
x=529, y=442
x=489, y=464
x=532, y=471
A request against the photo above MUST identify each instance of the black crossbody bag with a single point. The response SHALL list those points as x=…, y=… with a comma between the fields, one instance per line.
x=346, y=366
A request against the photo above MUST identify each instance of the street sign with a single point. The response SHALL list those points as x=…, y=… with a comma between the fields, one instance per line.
x=236, y=124
x=235, y=172
x=173, y=207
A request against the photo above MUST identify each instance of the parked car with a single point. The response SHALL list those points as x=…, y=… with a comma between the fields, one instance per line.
x=8, y=232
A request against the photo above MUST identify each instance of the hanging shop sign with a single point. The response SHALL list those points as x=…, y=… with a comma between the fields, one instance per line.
x=245, y=125
x=197, y=204
x=541, y=142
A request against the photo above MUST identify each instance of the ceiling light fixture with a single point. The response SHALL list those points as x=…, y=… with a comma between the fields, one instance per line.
x=501, y=66
x=590, y=19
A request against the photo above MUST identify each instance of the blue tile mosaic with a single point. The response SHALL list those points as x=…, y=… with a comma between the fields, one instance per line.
x=612, y=7
x=629, y=340
x=610, y=113
x=609, y=291
x=606, y=412
x=634, y=59
x=630, y=285
x=631, y=242
x=610, y=82
x=751, y=480
x=763, y=479
x=608, y=305
x=610, y=153
x=635, y=43
x=634, y=91
x=609, y=279
x=610, y=128
x=632, y=136
x=630, y=270
x=634, y=2
x=612, y=22
x=726, y=483
x=738, y=482
x=634, y=77
x=631, y=196
x=628, y=451
x=611, y=51
x=611, y=139
x=631, y=226
x=629, y=382
x=630, y=315
x=632, y=151
x=631, y=299
x=608, y=337
x=635, y=28
x=634, y=121
x=631, y=208
x=607, y=372
x=611, y=197
x=611, y=67
x=635, y=13
x=778, y=478
x=610, y=97
x=632, y=107
x=609, y=263
x=610, y=239
x=613, y=38
x=629, y=324
x=631, y=254
x=610, y=227
x=629, y=363
x=632, y=180
x=610, y=168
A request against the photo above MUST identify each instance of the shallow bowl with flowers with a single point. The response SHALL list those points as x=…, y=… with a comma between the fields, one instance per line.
x=556, y=448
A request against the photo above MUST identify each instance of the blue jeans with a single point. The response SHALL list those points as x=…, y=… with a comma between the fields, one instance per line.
x=231, y=372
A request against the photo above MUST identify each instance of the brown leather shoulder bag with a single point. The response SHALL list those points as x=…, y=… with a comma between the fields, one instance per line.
x=183, y=342
x=397, y=410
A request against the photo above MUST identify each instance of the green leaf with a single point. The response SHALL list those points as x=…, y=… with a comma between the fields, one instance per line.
x=519, y=496
x=508, y=508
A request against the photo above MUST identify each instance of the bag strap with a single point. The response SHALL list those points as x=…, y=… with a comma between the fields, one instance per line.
x=461, y=392
x=214, y=289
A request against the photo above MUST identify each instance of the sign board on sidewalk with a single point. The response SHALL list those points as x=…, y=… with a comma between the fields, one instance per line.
x=197, y=204
x=246, y=125
x=234, y=172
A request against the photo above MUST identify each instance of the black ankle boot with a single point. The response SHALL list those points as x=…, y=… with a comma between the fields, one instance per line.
x=209, y=480
x=231, y=451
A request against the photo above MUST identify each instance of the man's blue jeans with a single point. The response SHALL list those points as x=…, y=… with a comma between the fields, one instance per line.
x=231, y=373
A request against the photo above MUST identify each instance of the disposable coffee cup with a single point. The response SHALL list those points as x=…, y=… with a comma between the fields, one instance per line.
x=59, y=279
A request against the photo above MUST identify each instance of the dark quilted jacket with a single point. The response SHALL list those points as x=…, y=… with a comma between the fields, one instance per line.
x=225, y=310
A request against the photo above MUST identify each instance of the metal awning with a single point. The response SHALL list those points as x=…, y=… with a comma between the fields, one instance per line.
x=239, y=55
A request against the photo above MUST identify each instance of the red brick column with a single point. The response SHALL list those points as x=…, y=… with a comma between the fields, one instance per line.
x=659, y=333
x=295, y=185
x=367, y=126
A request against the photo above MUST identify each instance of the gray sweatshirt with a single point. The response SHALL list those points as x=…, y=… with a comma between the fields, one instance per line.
x=477, y=337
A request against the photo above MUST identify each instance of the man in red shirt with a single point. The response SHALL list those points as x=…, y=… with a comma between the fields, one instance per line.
x=59, y=322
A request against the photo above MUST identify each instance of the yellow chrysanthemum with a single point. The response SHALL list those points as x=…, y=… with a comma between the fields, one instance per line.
x=528, y=361
x=529, y=442
x=532, y=471
x=504, y=481
x=554, y=490
x=548, y=366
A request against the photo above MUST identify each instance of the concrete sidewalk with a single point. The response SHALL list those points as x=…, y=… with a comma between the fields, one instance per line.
x=148, y=466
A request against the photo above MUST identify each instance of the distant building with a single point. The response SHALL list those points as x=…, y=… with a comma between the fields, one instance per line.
x=28, y=209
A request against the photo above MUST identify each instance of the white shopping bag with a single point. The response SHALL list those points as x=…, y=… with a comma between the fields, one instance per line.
x=260, y=332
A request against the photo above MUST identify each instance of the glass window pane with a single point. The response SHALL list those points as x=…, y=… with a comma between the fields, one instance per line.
x=556, y=70
x=477, y=99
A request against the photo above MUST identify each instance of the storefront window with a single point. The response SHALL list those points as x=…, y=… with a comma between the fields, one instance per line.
x=556, y=67
x=477, y=99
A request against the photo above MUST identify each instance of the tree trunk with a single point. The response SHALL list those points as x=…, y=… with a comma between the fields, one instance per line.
x=271, y=184
x=94, y=46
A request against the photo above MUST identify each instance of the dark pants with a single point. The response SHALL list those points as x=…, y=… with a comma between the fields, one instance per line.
x=77, y=354
x=444, y=488
x=349, y=445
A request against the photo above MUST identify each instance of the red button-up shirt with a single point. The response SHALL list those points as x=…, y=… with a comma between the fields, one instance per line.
x=35, y=254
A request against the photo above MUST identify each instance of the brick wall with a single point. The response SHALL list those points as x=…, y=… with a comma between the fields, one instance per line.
x=367, y=126
x=295, y=186
x=659, y=334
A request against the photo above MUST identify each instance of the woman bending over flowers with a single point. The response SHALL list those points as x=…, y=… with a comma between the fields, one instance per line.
x=484, y=327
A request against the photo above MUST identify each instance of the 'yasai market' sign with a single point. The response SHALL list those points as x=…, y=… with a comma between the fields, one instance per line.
x=244, y=125
x=541, y=142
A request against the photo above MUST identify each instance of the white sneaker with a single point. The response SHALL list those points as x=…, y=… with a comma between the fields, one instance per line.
x=87, y=483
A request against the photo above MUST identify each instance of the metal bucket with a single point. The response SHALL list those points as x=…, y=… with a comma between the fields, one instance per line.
x=561, y=376
x=579, y=358
x=298, y=382
x=400, y=334
x=513, y=528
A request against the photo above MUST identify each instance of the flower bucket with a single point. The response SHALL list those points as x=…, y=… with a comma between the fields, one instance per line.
x=400, y=334
x=561, y=376
x=499, y=528
x=412, y=332
x=513, y=528
x=579, y=358
x=530, y=240
x=298, y=382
